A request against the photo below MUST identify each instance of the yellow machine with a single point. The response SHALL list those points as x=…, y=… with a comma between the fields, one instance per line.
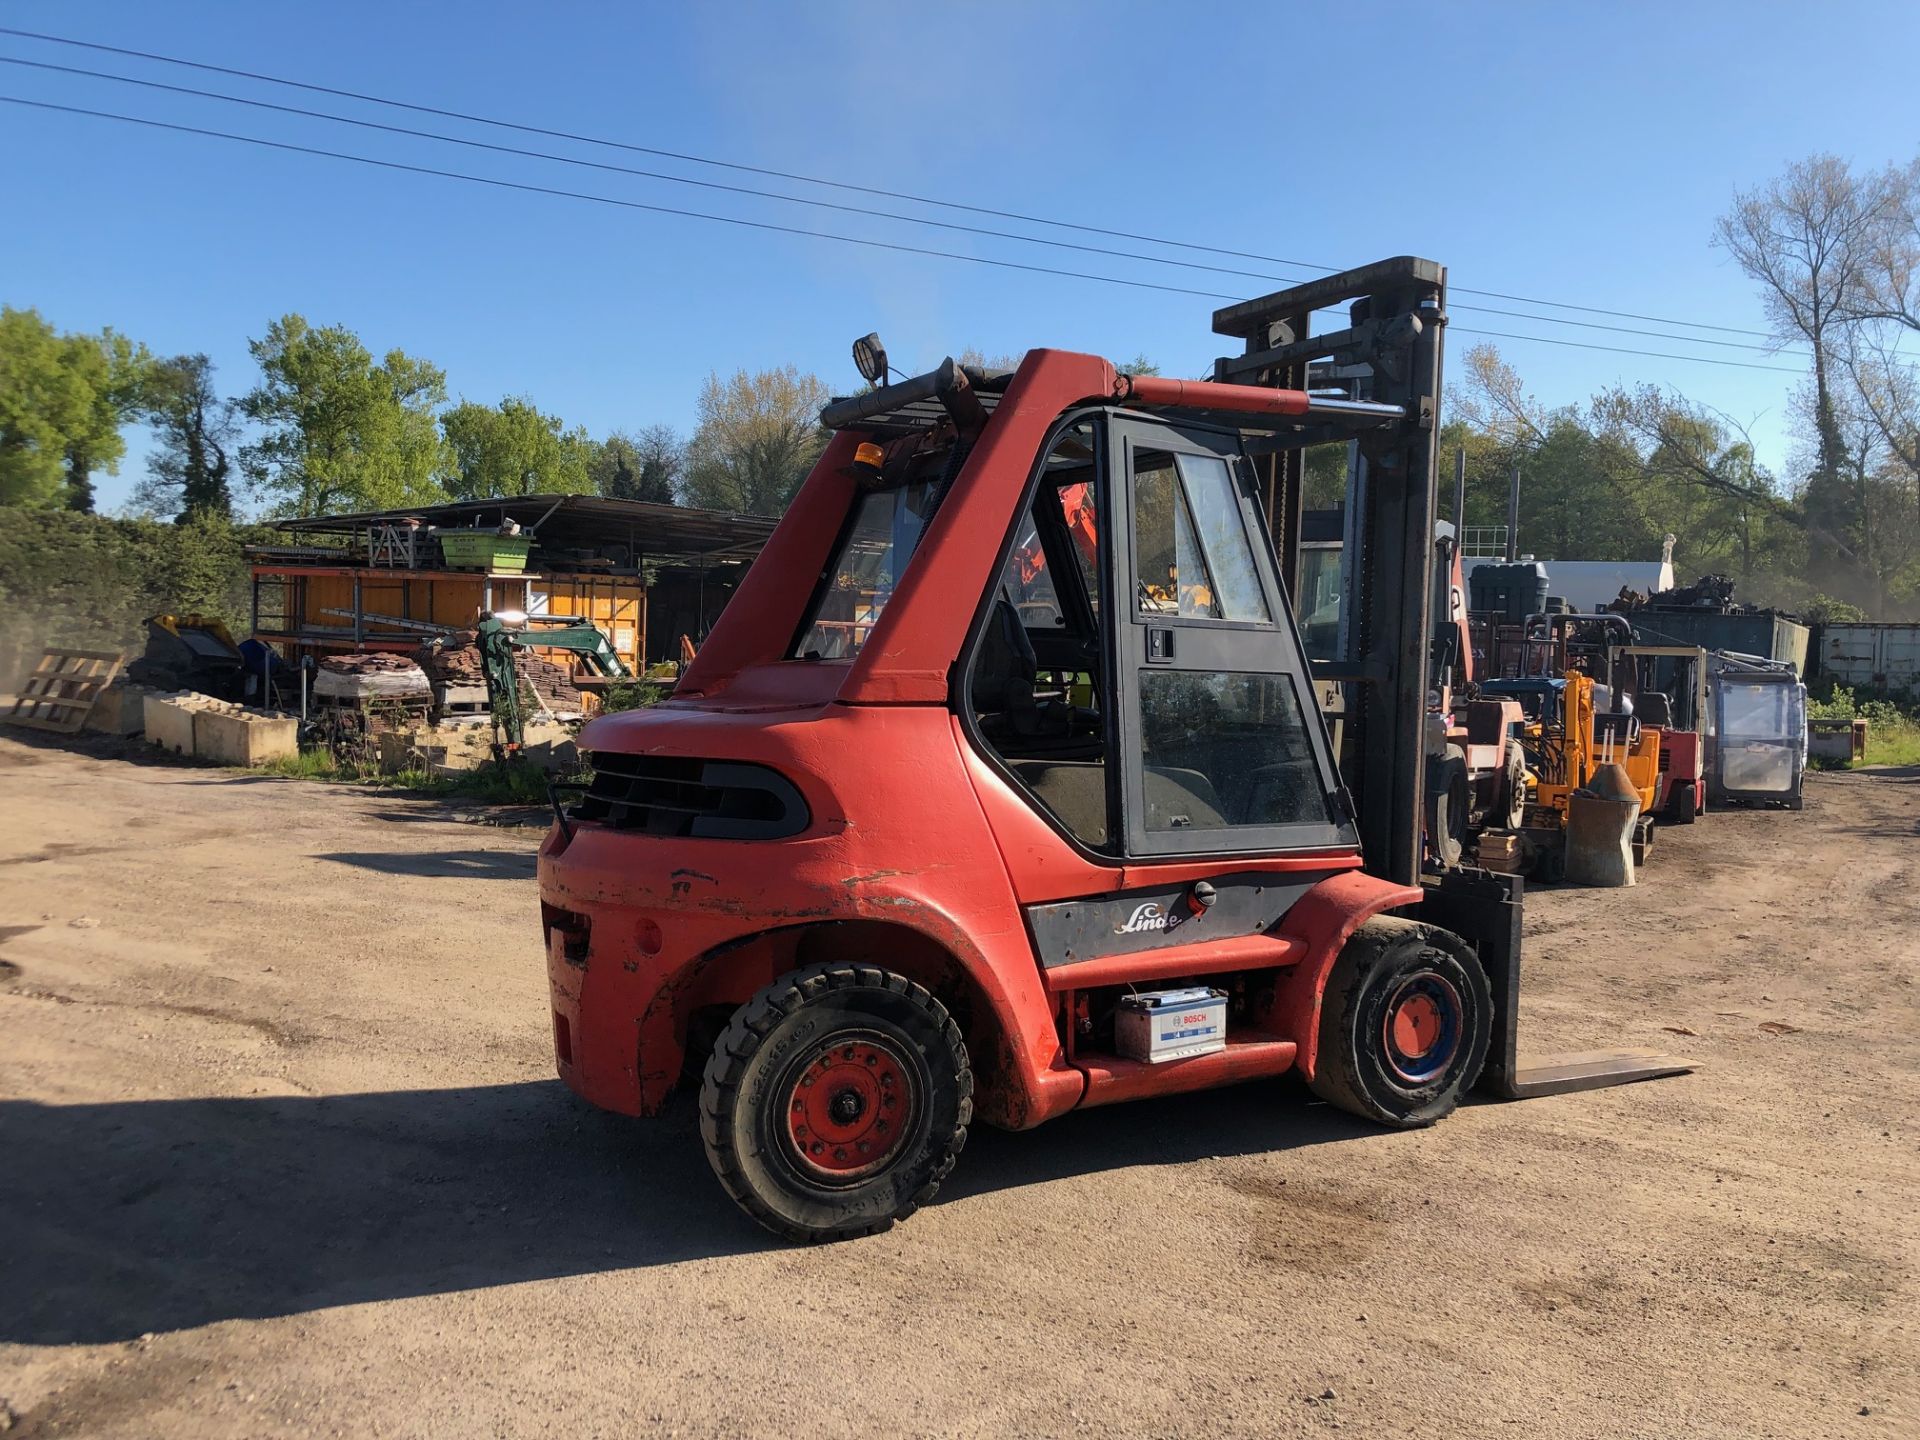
x=1565, y=742
x=1567, y=748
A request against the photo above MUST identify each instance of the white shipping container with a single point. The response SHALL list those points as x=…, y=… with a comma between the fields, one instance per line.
x=1870, y=656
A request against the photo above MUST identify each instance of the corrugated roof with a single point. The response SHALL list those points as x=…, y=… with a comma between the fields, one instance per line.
x=580, y=522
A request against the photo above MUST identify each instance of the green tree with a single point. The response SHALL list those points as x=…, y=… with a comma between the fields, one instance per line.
x=511, y=449
x=646, y=466
x=191, y=471
x=342, y=432
x=63, y=399
x=758, y=436
x=42, y=402
x=118, y=372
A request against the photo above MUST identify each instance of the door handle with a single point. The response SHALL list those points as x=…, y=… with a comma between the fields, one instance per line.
x=1159, y=645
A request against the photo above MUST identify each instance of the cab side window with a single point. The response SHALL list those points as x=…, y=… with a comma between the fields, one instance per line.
x=1191, y=551
x=1036, y=688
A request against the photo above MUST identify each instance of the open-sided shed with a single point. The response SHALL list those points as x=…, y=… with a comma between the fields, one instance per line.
x=381, y=580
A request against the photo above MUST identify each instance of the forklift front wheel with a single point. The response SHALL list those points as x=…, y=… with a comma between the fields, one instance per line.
x=1404, y=1026
x=836, y=1101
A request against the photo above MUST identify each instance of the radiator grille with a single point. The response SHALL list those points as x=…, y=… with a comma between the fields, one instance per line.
x=701, y=799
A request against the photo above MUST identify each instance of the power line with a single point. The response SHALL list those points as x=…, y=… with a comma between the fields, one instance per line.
x=801, y=200
x=842, y=185
x=1620, y=350
x=645, y=174
x=607, y=199
x=769, y=225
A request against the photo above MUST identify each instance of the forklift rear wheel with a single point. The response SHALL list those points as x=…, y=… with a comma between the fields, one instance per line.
x=1404, y=1026
x=836, y=1101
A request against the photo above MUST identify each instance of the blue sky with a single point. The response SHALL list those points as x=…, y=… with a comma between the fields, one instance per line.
x=1575, y=153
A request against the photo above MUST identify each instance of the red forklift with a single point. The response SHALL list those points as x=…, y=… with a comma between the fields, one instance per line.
x=1670, y=691
x=1000, y=789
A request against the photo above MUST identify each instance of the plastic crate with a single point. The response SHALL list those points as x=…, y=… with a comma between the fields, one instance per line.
x=483, y=550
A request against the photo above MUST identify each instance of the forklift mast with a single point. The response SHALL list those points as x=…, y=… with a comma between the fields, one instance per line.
x=1391, y=344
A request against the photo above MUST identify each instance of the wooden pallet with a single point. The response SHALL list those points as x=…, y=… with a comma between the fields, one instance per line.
x=60, y=693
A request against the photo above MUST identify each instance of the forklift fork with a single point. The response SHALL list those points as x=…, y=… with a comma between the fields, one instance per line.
x=1484, y=909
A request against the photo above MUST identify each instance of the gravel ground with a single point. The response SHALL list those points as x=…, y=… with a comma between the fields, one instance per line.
x=281, y=1153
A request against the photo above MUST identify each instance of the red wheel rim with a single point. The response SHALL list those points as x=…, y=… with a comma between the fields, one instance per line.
x=1422, y=1027
x=850, y=1108
x=1416, y=1026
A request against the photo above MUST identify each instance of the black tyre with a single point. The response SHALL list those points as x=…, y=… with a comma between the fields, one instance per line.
x=1449, y=797
x=836, y=1101
x=1404, y=1024
x=1549, y=862
x=1510, y=806
x=1682, y=804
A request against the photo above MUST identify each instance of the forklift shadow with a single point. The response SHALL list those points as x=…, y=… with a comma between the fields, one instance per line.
x=441, y=864
x=135, y=1216
x=1260, y=1118
x=139, y=1216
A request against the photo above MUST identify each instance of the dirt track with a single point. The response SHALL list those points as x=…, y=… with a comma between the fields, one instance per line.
x=281, y=1153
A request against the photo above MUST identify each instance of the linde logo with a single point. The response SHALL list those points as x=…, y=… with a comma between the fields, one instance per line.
x=1147, y=917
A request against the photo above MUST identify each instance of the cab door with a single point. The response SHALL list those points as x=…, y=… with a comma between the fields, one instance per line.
x=1219, y=748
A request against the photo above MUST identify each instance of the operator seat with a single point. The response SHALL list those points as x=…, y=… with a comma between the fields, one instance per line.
x=1003, y=696
x=1620, y=726
x=1003, y=672
x=1656, y=709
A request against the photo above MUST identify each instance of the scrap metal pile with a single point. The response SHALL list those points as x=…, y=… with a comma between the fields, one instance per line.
x=455, y=667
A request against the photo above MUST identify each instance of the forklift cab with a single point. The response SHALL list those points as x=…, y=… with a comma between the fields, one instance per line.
x=1759, y=735
x=1134, y=669
x=1139, y=675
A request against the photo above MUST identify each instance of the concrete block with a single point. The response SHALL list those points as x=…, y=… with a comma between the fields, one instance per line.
x=1842, y=740
x=244, y=738
x=168, y=720
x=120, y=710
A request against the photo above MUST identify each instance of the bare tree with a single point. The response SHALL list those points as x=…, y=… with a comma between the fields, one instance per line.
x=1496, y=401
x=1889, y=292
x=1805, y=238
x=1885, y=381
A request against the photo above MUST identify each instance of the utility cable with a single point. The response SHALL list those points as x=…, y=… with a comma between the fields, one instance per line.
x=776, y=228
x=802, y=200
x=831, y=184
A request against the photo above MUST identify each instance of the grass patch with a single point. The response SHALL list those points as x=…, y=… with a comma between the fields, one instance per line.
x=1893, y=723
x=306, y=765
x=516, y=783
x=1897, y=744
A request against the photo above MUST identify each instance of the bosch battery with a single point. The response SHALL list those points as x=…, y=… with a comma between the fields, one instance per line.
x=1161, y=1025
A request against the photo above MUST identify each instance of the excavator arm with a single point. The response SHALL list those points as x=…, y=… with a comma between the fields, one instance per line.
x=500, y=635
